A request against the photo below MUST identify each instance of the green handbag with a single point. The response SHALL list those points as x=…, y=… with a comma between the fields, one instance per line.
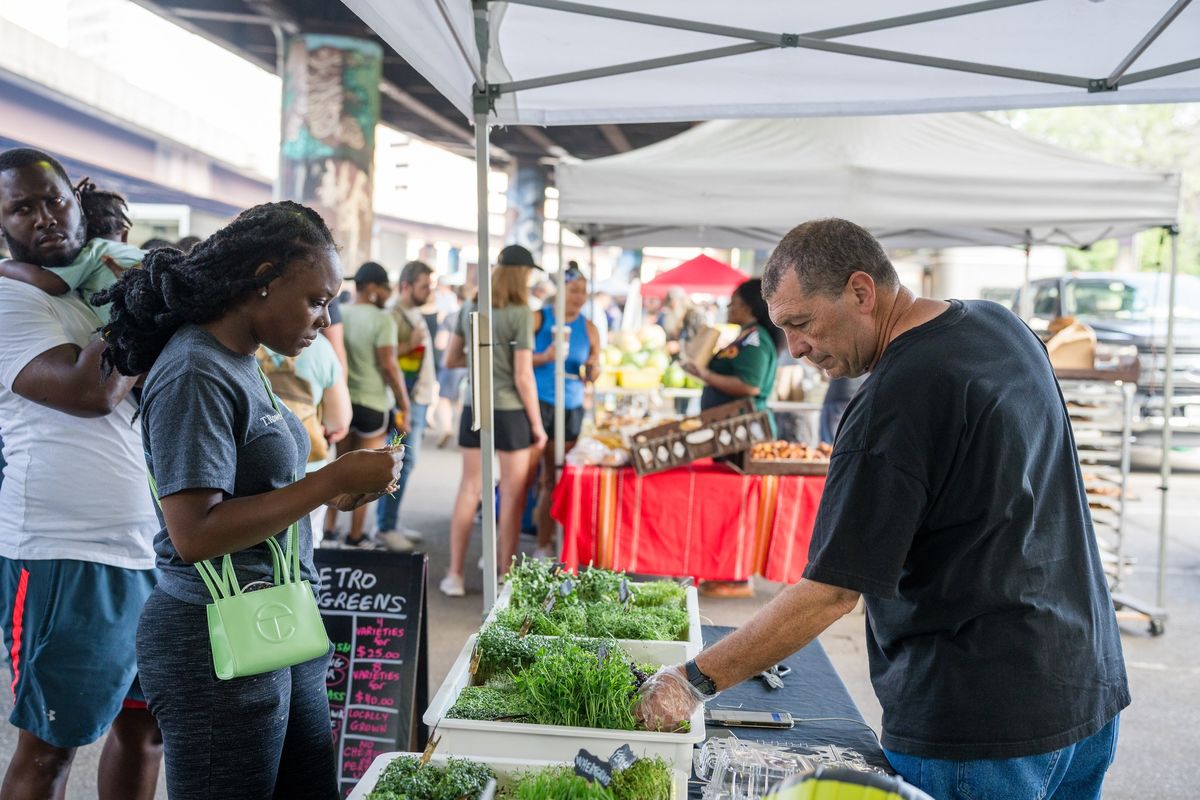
x=257, y=631
x=264, y=630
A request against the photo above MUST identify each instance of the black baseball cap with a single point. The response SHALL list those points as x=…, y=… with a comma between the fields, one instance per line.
x=370, y=272
x=516, y=256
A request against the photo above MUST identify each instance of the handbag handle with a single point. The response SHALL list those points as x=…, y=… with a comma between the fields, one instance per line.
x=285, y=565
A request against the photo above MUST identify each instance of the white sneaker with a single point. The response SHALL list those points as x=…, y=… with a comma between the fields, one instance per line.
x=547, y=553
x=412, y=535
x=452, y=586
x=396, y=542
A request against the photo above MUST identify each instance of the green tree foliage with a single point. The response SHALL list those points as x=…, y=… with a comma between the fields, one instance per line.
x=1161, y=137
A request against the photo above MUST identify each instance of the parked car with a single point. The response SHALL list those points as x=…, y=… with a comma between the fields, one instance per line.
x=1130, y=310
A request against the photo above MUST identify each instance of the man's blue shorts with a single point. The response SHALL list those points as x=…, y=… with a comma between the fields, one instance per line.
x=70, y=630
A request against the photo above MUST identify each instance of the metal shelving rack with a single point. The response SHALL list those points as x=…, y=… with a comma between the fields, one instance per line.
x=1101, y=411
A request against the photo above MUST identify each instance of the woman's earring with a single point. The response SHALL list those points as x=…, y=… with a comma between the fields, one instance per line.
x=263, y=293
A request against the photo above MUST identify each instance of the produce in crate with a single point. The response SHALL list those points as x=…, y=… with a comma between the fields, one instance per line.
x=790, y=451
x=518, y=738
x=585, y=683
x=646, y=779
x=595, y=603
x=405, y=779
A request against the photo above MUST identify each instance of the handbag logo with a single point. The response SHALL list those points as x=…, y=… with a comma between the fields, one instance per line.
x=275, y=622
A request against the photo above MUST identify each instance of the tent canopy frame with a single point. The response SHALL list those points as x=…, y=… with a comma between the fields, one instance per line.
x=757, y=40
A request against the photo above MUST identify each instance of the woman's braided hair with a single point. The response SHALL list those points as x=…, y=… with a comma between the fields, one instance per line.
x=173, y=288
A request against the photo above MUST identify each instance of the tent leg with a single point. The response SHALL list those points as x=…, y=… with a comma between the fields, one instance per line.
x=487, y=435
x=1168, y=398
x=1026, y=305
x=560, y=372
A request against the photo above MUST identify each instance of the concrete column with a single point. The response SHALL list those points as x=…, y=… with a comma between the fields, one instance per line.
x=526, y=215
x=629, y=265
x=327, y=152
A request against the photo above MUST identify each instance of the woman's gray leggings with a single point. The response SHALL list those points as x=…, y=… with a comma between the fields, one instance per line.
x=260, y=738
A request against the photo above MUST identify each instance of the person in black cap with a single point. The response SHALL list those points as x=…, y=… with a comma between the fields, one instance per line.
x=376, y=384
x=519, y=433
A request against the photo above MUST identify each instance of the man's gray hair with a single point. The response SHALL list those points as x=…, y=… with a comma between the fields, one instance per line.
x=414, y=270
x=825, y=253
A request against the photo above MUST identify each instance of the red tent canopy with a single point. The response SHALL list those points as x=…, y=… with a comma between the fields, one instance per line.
x=701, y=275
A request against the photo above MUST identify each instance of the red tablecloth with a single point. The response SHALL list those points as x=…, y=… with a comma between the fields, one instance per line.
x=704, y=520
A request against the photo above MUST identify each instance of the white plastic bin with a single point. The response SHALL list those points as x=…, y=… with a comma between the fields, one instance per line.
x=691, y=646
x=556, y=742
x=503, y=767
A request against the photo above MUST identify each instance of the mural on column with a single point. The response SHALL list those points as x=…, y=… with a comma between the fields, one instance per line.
x=330, y=109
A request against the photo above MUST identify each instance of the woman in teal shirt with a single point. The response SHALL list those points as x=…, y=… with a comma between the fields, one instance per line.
x=745, y=368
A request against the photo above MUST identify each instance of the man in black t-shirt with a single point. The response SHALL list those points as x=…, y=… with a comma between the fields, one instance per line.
x=955, y=506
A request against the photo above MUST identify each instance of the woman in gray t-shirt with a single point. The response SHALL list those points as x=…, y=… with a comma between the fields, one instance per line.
x=228, y=460
x=520, y=436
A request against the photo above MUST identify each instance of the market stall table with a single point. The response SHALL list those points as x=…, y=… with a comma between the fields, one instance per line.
x=702, y=520
x=816, y=698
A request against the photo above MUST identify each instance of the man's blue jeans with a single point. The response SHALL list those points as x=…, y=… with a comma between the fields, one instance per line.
x=387, y=508
x=1075, y=772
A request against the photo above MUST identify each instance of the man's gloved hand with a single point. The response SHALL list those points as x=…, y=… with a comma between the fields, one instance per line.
x=666, y=700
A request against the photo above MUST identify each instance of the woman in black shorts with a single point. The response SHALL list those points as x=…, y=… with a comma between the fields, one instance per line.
x=520, y=435
x=373, y=376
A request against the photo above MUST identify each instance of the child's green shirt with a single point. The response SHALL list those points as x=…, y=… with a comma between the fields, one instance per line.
x=88, y=273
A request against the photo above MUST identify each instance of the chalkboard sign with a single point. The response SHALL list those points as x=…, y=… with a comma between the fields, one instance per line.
x=373, y=604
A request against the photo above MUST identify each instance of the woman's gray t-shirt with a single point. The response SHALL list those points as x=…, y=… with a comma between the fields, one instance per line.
x=208, y=423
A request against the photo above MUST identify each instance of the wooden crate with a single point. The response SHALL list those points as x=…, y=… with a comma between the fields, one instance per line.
x=720, y=431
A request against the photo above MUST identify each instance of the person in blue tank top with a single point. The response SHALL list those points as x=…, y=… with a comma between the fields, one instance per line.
x=582, y=365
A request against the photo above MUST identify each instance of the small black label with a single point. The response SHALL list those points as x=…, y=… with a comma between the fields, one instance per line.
x=602, y=652
x=622, y=758
x=551, y=599
x=594, y=769
x=623, y=592
x=566, y=587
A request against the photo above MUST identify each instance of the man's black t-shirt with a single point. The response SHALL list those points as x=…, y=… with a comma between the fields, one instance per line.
x=954, y=503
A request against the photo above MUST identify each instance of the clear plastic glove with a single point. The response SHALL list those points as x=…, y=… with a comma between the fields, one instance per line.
x=666, y=700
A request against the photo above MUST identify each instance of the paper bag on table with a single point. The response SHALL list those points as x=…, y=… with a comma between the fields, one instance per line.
x=700, y=348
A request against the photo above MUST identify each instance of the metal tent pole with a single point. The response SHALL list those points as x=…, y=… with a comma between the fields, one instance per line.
x=1160, y=598
x=560, y=368
x=483, y=342
x=1026, y=305
x=592, y=280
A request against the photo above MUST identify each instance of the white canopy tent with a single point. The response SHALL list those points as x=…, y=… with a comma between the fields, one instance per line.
x=554, y=62
x=551, y=62
x=936, y=180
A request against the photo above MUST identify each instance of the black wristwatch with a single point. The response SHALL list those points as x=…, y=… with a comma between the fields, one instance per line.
x=702, y=682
